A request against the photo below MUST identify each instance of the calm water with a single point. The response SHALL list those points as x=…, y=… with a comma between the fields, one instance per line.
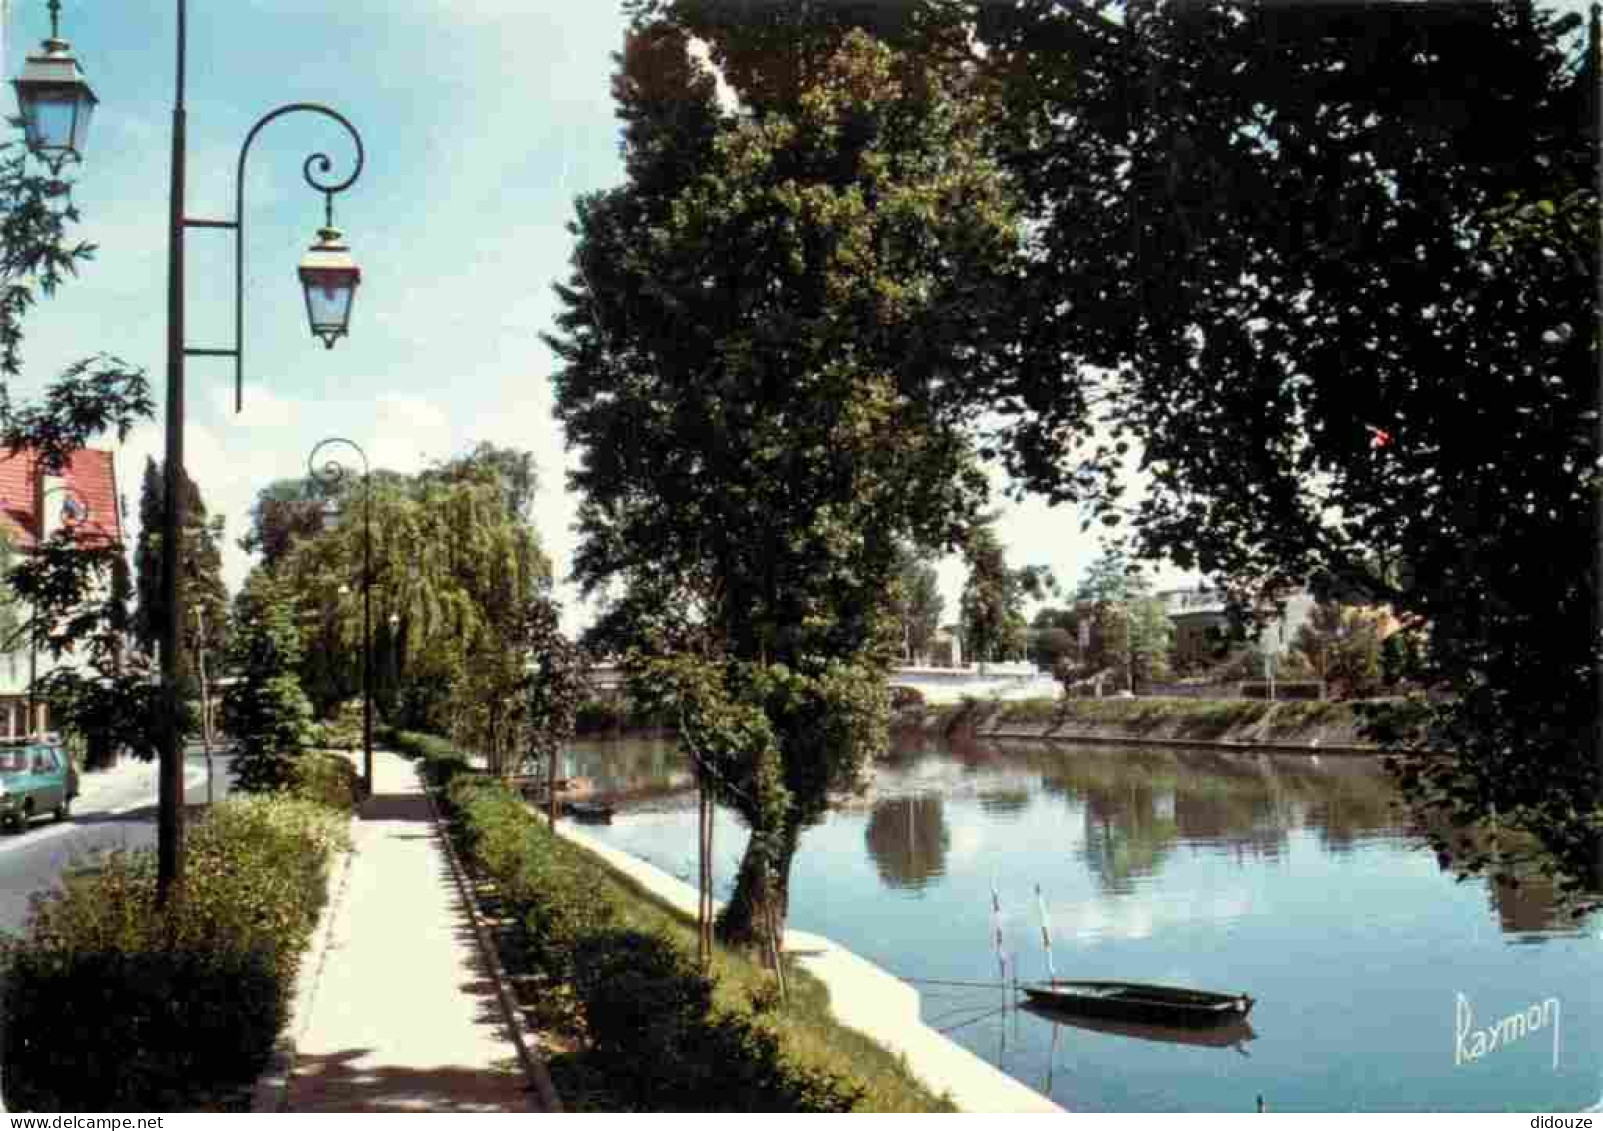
x=1291, y=880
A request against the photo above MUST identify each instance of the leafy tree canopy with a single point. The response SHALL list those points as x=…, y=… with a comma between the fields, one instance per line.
x=1351, y=328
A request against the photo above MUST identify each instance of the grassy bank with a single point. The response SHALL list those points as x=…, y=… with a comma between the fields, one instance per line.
x=730, y=1045
x=1296, y=723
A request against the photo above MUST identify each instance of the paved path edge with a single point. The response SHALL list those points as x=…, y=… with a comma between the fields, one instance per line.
x=542, y=1091
x=271, y=1092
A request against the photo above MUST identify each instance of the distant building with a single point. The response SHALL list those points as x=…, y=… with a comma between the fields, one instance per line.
x=1199, y=620
x=33, y=507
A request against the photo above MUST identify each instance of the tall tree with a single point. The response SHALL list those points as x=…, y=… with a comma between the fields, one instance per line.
x=1113, y=594
x=760, y=348
x=1349, y=326
x=453, y=570
x=916, y=603
x=147, y=559
x=993, y=597
x=512, y=469
x=264, y=710
x=556, y=688
x=1054, y=637
x=284, y=512
x=204, y=592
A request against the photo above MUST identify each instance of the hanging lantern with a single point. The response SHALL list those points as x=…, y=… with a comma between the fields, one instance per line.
x=55, y=102
x=330, y=277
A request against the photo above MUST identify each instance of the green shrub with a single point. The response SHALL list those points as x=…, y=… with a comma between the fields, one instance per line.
x=110, y=1005
x=328, y=779
x=140, y=1030
x=535, y=870
x=643, y=1001
x=441, y=760
x=344, y=731
x=649, y=1013
x=562, y=910
x=738, y=1063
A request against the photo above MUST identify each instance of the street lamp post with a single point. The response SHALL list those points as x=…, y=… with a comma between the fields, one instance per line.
x=332, y=476
x=55, y=104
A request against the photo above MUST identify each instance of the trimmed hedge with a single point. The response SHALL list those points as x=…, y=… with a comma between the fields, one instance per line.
x=110, y=1005
x=646, y=1009
x=441, y=760
x=598, y=982
x=541, y=877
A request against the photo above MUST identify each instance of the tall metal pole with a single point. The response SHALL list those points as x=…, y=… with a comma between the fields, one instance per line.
x=367, y=630
x=170, y=796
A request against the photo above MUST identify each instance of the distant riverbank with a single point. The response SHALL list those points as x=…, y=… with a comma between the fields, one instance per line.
x=1315, y=727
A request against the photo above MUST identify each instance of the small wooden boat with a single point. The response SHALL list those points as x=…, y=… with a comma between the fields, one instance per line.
x=1234, y=1033
x=593, y=811
x=1137, y=1001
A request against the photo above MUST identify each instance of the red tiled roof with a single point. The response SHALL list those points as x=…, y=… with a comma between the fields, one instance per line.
x=90, y=474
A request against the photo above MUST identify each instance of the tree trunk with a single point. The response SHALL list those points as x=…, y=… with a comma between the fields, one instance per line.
x=762, y=894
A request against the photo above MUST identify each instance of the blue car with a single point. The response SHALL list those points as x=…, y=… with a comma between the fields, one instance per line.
x=35, y=778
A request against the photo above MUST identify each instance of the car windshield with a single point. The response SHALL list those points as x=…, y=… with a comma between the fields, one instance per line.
x=13, y=761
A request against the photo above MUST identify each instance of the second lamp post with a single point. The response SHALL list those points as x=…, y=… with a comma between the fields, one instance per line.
x=332, y=476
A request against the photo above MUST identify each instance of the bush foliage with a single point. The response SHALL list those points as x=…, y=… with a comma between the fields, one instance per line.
x=109, y=1005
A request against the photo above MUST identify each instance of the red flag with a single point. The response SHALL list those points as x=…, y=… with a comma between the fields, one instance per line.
x=1379, y=437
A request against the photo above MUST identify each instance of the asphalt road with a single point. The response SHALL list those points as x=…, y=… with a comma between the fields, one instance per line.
x=115, y=809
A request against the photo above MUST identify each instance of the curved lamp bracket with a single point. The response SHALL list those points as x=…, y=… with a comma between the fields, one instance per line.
x=317, y=163
x=333, y=474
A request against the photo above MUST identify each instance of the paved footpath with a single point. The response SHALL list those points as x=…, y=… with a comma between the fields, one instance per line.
x=402, y=1015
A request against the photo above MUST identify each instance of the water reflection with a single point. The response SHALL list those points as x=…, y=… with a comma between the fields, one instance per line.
x=1139, y=804
x=1295, y=879
x=1529, y=906
x=908, y=840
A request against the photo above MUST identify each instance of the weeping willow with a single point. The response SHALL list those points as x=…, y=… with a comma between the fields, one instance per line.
x=453, y=569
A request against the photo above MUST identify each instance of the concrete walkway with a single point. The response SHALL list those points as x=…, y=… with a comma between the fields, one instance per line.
x=396, y=1011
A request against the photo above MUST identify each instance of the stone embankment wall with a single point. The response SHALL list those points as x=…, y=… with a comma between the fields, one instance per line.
x=1232, y=724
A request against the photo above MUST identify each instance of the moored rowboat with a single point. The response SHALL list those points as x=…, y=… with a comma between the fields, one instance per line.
x=595, y=811
x=1234, y=1033
x=1137, y=1001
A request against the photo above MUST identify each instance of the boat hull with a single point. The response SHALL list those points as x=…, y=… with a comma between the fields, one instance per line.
x=1232, y=1034
x=1133, y=1001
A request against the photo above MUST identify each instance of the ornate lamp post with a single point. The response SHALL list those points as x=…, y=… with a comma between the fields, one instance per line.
x=55, y=106
x=332, y=476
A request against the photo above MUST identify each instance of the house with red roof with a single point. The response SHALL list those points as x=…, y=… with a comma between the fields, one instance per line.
x=34, y=505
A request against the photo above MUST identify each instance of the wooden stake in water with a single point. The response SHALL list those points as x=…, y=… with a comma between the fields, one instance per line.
x=996, y=932
x=1046, y=936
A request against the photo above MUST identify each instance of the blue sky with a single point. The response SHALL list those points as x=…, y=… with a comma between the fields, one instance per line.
x=482, y=120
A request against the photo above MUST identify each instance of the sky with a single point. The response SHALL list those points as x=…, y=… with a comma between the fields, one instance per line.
x=481, y=121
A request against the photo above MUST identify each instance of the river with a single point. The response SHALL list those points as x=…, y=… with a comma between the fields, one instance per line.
x=1382, y=981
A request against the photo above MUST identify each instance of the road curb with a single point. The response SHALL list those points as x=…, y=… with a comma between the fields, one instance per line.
x=271, y=1091
x=543, y=1093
